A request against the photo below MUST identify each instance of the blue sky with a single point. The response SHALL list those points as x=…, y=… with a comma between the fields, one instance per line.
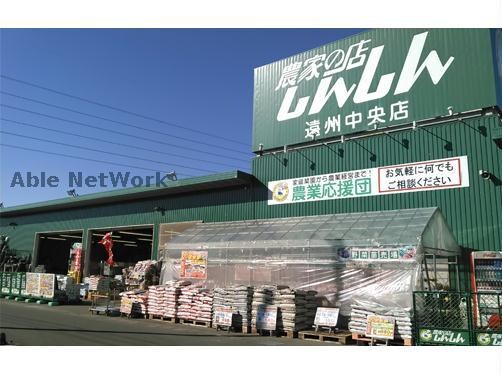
x=199, y=79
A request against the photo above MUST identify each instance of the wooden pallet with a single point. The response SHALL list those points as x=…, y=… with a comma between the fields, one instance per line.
x=198, y=323
x=344, y=337
x=162, y=318
x=246, y=329
x=363, y=340
x=278, y=333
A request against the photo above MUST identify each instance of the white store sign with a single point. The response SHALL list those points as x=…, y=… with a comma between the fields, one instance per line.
x=437, y=174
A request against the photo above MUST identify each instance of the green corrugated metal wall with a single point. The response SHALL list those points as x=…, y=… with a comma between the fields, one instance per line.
x=474, y=213
x=223, y=205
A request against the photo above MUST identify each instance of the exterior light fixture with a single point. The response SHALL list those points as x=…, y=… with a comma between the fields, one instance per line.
x=260, y=149
x=485, y=175
x=172, y=176
x=159, y=209
x=450, y=110
x=72, y=193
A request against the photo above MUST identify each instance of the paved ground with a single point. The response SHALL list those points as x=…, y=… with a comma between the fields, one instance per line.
x=31, y=324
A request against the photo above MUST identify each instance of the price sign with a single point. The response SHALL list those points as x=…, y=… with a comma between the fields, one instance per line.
x=266, y=318
x=380, y=327
x=223, y=316
x=327, y=317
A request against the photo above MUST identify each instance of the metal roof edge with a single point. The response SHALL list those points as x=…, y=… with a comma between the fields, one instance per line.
x=194, y=184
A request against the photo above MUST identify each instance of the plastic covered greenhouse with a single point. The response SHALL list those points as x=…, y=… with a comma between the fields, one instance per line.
x=380, y=256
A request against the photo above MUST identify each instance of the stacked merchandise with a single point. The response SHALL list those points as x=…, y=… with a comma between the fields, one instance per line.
x=67, y=284
x=134, y=302
x=163, y=299
x=172, y=293
x=157, y=301
x=99, y=283
x=195, y=303
x=359, y=315
x=295, y=312
x=262, y=297
x=238, y=298
x=202, y=305
x=136, y=275
x=185, y=302
x=295, y=308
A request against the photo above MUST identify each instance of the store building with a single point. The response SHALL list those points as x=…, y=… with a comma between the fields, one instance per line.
x=381, y=121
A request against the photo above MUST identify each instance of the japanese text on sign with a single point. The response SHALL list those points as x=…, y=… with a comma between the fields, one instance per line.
x=327, y=317
x=266, y=318
x=223, y=316
x=427, y=175
x=380, y=327
x=193, y=265
x=440, y=173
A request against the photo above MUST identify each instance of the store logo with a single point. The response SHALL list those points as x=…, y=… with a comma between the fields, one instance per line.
x=280, y=192
x=484, y=339
x=329, y=65
x=426, y=335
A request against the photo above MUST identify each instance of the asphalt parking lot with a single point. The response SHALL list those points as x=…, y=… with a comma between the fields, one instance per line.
x=32, y=324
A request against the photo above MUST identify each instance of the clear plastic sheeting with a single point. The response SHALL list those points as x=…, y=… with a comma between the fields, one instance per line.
x=372, y=256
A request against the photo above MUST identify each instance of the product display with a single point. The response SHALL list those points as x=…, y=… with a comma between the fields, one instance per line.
x=361, y=310
x=99, y=283
x=295, y=308
x=238, y=298
x=195, y=303
x=134, y=302
x=137, y=274
x=163, y=299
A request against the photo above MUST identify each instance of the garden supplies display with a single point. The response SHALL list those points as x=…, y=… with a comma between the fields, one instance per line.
x=238, y=298
x=262, y=297
x=99, y=284
x=136, y=275
x=361, y=310
x=134, y=302
x=295, y=308
x=322, y=253
x=67, y=284
x=195, y=303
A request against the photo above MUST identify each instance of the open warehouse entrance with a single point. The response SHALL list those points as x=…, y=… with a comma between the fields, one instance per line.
x=53, y=250
x=130, y=245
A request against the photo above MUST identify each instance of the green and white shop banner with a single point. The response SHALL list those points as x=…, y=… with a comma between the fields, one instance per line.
x=436, y=174
x=443, y=337
x=489, y=339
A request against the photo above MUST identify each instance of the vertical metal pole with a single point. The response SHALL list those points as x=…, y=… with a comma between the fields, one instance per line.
x=435, y=270
x=86, y=247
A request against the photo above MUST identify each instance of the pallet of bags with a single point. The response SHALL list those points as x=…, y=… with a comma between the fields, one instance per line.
x=237, y=298
x=202, y=305
x=294, y=312
x=157, y=300
x=360, y=312
x=185, y=302
x=263, y=297
x=134, y=302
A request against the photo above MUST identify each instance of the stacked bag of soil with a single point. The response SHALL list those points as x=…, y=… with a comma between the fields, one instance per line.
x=296, y=309
x=202, y=305
x=402, y=317
x=134, y=302
x=238, y=298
